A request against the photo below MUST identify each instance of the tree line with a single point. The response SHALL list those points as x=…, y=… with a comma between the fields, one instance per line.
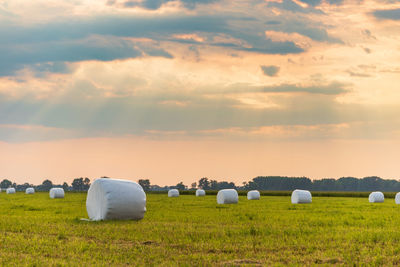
x=271, y=183
x=283, y=183
x=78, y=184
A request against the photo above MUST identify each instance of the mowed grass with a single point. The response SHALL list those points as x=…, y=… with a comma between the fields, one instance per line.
x=36, y=230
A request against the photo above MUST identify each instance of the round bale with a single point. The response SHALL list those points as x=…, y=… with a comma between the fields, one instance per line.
x=397, y=198
x=30, y=190
x=115, y=199
x=227, y=196
x=10, y=190
x=253, y=195
x=376, y=197
x=301, y=196
x=200, y=193
x=173, y=193
x=56, y=192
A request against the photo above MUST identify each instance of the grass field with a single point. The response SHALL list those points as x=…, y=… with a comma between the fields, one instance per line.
x=36, y=230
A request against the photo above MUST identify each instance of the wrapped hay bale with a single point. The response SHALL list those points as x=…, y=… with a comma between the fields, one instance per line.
x=227, y=196
x=253, y=195
x=397, y=198
x=173, y=193
x=110, y=199
x=200, y=193
x=376, y=197
x=56, y=192
x=301, y=196
x=10, y=190
x=30, y=190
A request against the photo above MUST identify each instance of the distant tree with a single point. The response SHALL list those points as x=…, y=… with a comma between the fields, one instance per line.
x=215, y=185
x=181, y=186
x=245, y=186
x=46, y=185
x=23, y=187
x=145, y=184
x=155, y=187
x=77, y=184
x=65, y=186
x=80, y=184
x=193, y=185
x=204, y=183
x=86, y=184
x=5, y=183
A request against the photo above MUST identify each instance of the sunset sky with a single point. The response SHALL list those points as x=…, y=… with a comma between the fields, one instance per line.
x=178, y=90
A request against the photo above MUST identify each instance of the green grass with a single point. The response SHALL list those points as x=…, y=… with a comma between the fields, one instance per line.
x=36, y=230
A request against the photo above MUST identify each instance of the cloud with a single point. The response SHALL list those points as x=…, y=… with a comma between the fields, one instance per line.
x=270, y=70
x=303, y=27
x=334, y=88
x=367, y=50
x=112, y=35
x=50, y=56
x=392, y=14
x=156, y=4
x=314, y=3
x=367, y=33
x=358, y=74
x=330, y=89
x=105, y=39
x=85, y=111
x=295, y=6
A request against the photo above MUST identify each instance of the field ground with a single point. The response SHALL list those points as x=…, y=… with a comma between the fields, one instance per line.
x=36, y=230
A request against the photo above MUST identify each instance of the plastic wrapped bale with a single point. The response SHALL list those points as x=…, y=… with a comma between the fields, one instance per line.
x=397, y=198
x=301, y=196
x=376, y=197
x=56, y=193
x=114, y=199
x=30, y=190
x=253, y=195
x=10, y=191
x=173, y=193
x=227, y=196
x=200, y=193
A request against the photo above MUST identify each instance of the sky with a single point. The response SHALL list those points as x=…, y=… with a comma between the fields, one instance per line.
x=179, y=90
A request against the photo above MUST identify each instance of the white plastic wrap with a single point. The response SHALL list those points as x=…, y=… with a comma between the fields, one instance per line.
x=173, y=193
x=200, y=193
x=253, y=195
x=10, y=190
x=397, y=198
x=227, y=196
x=376, y=197
x=30, y=190
x=115, y=199
x=56, y=192
x=301, y=196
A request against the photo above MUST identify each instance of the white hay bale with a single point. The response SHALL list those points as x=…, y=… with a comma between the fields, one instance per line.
x=376, y=197
x=110, y=199
x=173, y=193
x=301, y=196
x=30, y=190
x=56, y=192
x=200, y=193
x=10, y=190
x=227, y=196
x=397, y=198
x=253, y=195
